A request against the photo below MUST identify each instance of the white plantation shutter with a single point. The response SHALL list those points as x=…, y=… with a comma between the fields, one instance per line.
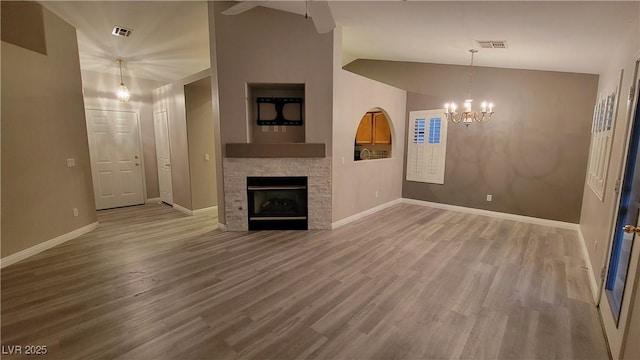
x=427, y=146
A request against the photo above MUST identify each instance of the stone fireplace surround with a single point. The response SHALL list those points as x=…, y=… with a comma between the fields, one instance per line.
x=316, y=169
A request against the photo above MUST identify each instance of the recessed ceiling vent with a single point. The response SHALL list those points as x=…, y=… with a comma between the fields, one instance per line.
x=121, y=31
x=492, y=44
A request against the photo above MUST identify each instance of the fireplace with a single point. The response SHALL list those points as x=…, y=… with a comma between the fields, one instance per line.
x=277, y=203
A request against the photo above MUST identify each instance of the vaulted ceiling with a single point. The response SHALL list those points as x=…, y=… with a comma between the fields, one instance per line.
x=170, y=39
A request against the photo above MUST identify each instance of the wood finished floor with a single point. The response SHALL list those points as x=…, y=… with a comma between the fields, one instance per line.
x=409, y=282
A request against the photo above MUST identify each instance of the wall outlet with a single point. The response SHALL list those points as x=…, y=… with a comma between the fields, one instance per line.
x=75, y=211
x=489, y=197
x=206, y=157
x=376, y=193
x=71, y=162
x=342, y=160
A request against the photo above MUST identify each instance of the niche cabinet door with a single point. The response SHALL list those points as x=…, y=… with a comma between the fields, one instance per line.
x=365, y=130
x=381, y=130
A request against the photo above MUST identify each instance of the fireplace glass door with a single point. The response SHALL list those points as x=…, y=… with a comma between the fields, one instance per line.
x=277, y=203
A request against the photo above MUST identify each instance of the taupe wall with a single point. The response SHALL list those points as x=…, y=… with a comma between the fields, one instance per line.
x=99, y=93
x=359, y=186
x=270, y=46
x=199, y=112
x=43, y=124
x=531, y=156
x=171, y=98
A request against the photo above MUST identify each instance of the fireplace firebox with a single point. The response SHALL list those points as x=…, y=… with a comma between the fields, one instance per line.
x=277, y=202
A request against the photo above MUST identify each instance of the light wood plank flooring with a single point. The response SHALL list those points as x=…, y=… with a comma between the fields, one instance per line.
x=409, y=282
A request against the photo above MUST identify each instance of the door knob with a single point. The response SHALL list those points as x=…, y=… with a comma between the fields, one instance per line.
x=631, y=229
x=137, y=164
x=135, y=157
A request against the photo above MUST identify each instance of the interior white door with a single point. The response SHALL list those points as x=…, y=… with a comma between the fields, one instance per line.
x=116, y=166
x=161, y=125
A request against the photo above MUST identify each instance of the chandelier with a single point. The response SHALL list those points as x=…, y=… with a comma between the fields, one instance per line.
x=123, y=93
x=468, y=115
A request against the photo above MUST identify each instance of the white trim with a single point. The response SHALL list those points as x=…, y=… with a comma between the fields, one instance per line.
x=203, y=210
x=496, y=214
x=182, y=209
x=365, y=213
x=222, y=227
x=152, y=200
x=36, y=249
x=592, y=278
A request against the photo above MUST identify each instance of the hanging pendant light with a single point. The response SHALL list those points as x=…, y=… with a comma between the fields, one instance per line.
x=122, y=93
x=468, y=115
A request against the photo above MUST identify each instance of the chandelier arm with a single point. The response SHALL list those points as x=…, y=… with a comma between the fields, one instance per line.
x=120, y=63
x=470, y=75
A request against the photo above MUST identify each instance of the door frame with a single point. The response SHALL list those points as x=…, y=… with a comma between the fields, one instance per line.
x=164, y=110
x=142, y=166
x=610, y=327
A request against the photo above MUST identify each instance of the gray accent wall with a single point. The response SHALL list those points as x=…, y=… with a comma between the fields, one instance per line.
x=531, y=157
x=43, y=124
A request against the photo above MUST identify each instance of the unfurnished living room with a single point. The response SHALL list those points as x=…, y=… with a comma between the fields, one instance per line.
x=320, y=180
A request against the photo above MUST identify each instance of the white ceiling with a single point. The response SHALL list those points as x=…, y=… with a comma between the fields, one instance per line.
x=170, y=39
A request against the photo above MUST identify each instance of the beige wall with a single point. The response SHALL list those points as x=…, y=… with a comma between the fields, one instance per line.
x=99, y=93
x=43, y=124
x=171, y=98
x=265, y=46
x=199, y=115
x=355, y=184
x=531, y=156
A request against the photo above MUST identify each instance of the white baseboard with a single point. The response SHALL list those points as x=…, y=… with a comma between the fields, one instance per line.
x=364, y=213
x=152, y=200
x=182, y=209
x=222, y=226
x=203, y=210
x=19, y=256
x=496, y=214
x=592, y=278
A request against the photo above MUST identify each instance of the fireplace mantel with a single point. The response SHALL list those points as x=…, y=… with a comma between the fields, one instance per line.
x=277, y=150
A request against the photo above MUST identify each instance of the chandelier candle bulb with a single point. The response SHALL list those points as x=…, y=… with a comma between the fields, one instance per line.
x=469, y=115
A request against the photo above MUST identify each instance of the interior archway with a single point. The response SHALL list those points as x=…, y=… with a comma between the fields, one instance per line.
x=374, y=138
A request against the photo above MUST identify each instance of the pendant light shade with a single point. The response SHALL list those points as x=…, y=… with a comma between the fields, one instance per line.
x=123, y=93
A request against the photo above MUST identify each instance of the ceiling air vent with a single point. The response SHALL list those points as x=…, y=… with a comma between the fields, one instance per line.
x=121, y=31
x=492, y=44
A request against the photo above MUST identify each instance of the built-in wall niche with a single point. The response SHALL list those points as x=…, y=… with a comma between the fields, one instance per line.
x=276, y=113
